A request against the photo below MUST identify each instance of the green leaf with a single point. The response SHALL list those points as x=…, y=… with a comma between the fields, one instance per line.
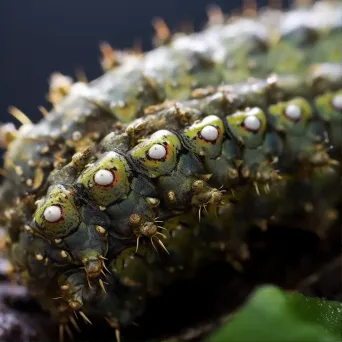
x=272, y=315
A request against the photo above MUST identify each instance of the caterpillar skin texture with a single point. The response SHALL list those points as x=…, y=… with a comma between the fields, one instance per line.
x=282, y=43
x=107, y=213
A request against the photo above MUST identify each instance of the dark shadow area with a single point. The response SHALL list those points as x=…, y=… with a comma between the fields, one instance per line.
x=290, y=258
x=39, y=37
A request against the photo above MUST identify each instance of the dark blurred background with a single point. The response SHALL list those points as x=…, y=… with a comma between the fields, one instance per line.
x=38, y=37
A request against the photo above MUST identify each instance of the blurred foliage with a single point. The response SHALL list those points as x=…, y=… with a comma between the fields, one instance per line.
x=272, y=315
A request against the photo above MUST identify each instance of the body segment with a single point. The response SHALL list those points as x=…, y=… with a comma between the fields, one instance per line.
x=226, y=129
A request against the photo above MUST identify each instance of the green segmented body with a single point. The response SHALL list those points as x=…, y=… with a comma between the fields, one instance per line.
x=191, y=177
x=283, y=43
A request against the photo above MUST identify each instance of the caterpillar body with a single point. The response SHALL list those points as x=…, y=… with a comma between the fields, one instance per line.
x=107, y=213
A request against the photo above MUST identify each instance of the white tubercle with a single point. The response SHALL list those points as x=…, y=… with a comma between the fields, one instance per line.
x=252, y=123
x=103, y=177
x=293, y=112
x=337, y=102
x=53, y=213
x=209, y=133
x=157, y=152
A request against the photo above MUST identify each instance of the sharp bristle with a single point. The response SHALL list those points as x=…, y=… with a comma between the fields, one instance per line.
x=161, y=28
x=186, y=27
x=102, y=286
x=69, y=332
x=8, y=133
x=86, y=319
x=19, y=115
x=43, y=110
x=163, y=34
x=74, y=323
x=106, y=49
x=61, y=333
x=275, y=4
x=215, y=15
x=117, y=335
x=250, y=8
x=81, y=76
x=137, y=47
x=109, y=57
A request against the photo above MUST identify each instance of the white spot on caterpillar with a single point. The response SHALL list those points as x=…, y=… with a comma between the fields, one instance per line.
x=157, y=152
x=293, y=112
x=337, y=102
x=53, y=213
x=210, y=133
x=103, y=177
x=252, y=123
x=76, y=136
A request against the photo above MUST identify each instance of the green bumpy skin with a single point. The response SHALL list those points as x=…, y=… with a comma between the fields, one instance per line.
x=224, y=53
x=98, y=238
x=217, y=154
x=127, y=200
x=109, y=213
x=74, y=228
x=165, y=146
x=118, y=189
x=294, y=119
x=330, y=113
x=180, y=163
x=199, y=145
x=61, y=199
x=161, y=157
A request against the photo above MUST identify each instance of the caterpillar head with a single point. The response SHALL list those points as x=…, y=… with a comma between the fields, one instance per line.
x=58, y=216
x=205, y=137
x=158, y=154
x=291, y=116
x=329, y=106
x=248, y=126
x=107, y=180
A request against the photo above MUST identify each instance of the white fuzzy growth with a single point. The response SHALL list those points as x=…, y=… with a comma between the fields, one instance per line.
x=252, y=123
x=157, y=152
x=103, y=177
x=209, y=133
x=337, y=102
x=53, y=213
x=293, y=112
x=80, y=89
x=161, y=134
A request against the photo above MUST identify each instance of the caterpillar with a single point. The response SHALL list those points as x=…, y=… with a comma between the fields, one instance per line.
x=166, y=162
